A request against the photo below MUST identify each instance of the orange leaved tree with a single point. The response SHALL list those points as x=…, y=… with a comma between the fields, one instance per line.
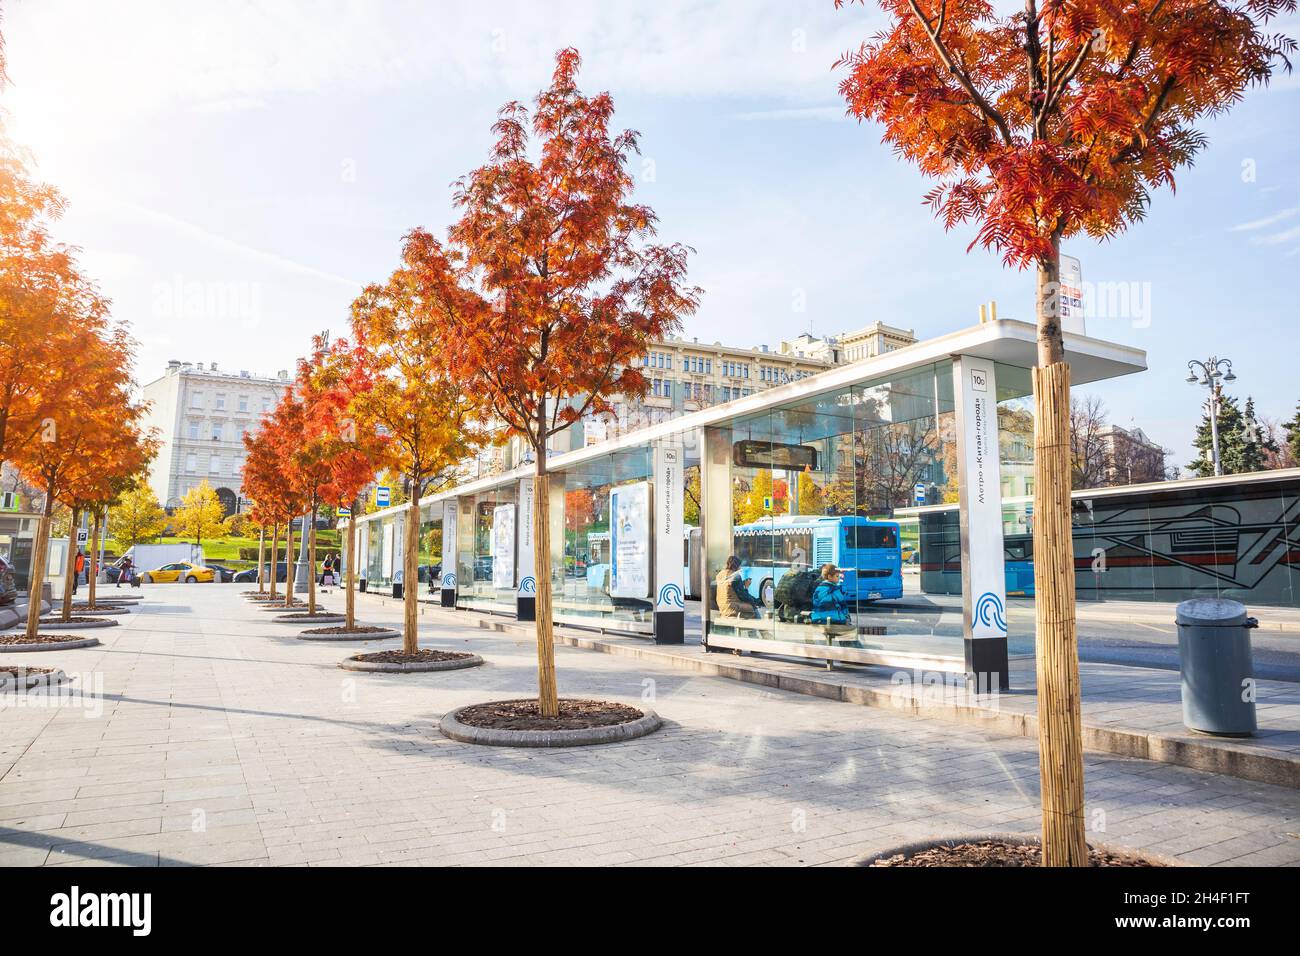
x=340, y=377
x=551, y=285
x=282, y=431
x=429, y=421
x=270, y=490
x=330, y=459
x=46, y=307
x=1039, y=124
x=119, y=464
x=64, y=459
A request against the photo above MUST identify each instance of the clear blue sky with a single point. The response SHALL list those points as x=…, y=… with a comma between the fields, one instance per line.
x=252, y=164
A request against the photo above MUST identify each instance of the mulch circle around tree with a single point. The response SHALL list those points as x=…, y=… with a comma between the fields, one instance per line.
x=46, y=642
x=105, y=609
x=21, y=677
x=302, y=616
x=518, y=723
x=75, y=621
x=1000, y=853
x=361, y=632
x=14, y=670
x=575, y=714
x=423, y=661
x=425, y=655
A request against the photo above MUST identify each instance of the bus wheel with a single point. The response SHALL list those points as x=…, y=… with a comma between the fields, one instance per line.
x=767, y=594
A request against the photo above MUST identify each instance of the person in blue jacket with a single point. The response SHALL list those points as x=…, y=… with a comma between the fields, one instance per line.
x=829, y=605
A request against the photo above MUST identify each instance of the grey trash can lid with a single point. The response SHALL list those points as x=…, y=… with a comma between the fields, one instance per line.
x=1211, y=612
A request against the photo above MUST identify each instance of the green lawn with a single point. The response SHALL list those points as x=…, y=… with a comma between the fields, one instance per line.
x=226, y=550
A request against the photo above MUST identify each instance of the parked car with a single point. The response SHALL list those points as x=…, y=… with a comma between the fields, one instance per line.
x=180, y=571
x=224, y=574
x=8, y=589
x=250, y=576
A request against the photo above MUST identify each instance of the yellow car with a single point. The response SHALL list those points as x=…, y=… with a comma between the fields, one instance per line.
x=181, y=571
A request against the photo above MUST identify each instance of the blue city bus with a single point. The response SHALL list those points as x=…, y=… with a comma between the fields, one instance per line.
x=869, y=553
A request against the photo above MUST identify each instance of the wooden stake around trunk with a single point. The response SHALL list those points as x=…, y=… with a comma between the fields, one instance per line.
x=94, y=554
x=349, y=599
x=548, y=695
x=275, y=544
x=261, y=559
x=70, y=567
x=311, y=569
x=290, y=578
x=40, y=557
x=410, y=578
x=1060, y=744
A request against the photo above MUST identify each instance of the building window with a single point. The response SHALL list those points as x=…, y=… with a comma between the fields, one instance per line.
x=221, y=401
x=194, y=430
x=266, y=404
x=243, y=403
x=214, y=467
x=191, y=463
x=216, y=431
x=196, y=399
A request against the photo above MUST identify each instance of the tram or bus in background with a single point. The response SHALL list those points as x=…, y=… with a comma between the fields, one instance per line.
x=868, y=553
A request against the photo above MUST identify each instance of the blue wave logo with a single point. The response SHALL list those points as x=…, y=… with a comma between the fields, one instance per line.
x=670, y=595
x=990, y=612
x=528, y=585
x=449, y=580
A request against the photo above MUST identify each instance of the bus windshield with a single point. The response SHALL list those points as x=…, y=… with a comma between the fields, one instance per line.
x=869, y=537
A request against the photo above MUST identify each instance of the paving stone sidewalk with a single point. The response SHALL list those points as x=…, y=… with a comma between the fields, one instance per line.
x=222, y=739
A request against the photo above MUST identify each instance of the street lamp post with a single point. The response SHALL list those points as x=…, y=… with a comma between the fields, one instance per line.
x=1209, y=373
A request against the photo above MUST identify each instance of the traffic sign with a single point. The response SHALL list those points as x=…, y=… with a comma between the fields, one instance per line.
x=383, y=495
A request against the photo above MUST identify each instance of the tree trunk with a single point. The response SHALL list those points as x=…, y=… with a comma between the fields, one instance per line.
x=311, y=561
x=548, y=699
x=94, y=555
x=261, y=559
x=1060, y=744
x=40, y=556
x=70, y=566
x=349, y=598
x=410, y=578
x=275, y=544
x=290, y=577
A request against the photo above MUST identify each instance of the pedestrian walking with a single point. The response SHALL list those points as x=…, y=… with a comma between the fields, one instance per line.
x=78, y=569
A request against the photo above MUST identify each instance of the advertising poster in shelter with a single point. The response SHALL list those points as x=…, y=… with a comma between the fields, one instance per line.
x=629, y=541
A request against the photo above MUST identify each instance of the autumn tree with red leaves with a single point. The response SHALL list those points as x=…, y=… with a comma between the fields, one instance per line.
x=270, y=489
x=550, y=286
x=329, y=459
x=429, y=421
x=1055, y=121
x=341, y=378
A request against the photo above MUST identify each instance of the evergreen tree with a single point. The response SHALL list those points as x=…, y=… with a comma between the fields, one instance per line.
x=1292, y=429
x=1243, y=441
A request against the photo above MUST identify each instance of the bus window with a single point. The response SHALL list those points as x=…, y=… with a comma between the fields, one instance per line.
x=867, y=537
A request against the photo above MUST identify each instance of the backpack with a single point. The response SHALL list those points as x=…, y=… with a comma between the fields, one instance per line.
x=794, y=593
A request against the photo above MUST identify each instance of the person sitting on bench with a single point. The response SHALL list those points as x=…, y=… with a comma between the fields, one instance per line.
x=733, y=597
x=829, y=605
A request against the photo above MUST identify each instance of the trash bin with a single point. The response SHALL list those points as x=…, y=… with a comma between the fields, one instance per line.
x=361, y=585
x=397, y=589
x=1217, y=673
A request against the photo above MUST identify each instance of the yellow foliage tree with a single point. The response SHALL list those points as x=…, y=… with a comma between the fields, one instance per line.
x=137, y=517
x=200, y=515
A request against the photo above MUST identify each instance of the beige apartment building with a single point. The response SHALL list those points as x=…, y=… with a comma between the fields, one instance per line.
x=687, y=375
x=202, y=414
